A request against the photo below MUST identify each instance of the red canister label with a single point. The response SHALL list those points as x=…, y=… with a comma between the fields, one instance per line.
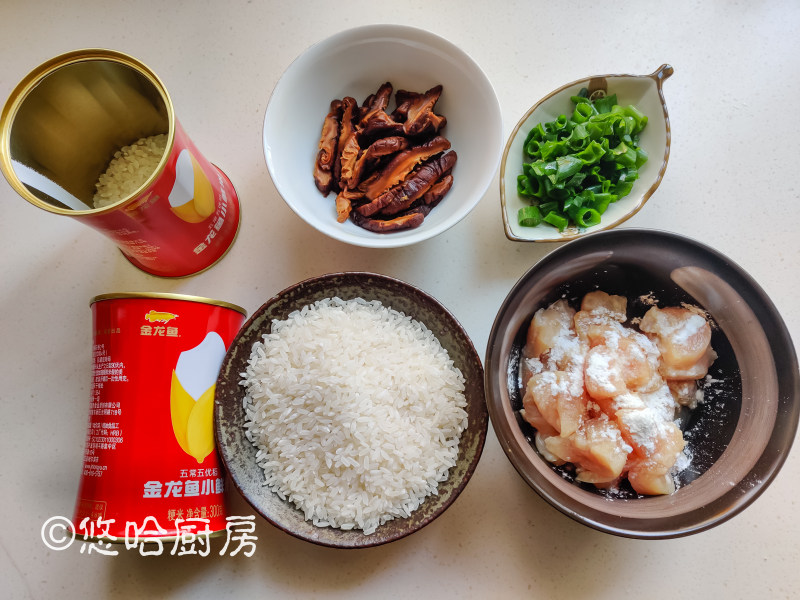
x=183, y=222
x=150, y=465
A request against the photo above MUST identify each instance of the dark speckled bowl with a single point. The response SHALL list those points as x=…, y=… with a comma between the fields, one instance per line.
x=238, y=453
x=739, y=437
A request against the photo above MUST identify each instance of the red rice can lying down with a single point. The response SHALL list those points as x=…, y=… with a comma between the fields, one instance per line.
x=150, y=466
x=92, y=134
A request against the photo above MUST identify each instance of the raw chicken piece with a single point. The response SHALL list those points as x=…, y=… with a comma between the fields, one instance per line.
x=559, y=400
x=548, y=325
x=603, y=373
x=650, y=484
x=597, y=328
x=694, y=371
x=597, y=450
x=600, y=302
x=682, y=336
x=652, y=438
x=531, y=413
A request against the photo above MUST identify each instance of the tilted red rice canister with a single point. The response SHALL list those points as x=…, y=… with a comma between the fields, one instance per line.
x=64, y=124
x=150, y=466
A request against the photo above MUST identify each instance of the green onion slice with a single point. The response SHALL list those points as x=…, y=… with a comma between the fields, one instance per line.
x=529, y=216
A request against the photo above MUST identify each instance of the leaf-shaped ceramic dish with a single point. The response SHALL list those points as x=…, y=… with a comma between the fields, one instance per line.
x=643, y=91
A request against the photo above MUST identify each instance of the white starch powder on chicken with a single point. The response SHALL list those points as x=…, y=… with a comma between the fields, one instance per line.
x=356, y=411
x=131, y=167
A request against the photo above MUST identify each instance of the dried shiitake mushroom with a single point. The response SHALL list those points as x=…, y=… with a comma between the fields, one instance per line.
x=388, y=170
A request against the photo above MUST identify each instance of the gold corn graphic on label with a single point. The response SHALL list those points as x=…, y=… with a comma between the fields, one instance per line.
x=192, y=197
x=191, y=396
x=192, y=420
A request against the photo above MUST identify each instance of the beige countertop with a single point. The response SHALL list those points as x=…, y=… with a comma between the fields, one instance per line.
x=731, y=183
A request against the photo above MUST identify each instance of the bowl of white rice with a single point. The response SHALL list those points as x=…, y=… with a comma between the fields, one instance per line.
x=350, y=410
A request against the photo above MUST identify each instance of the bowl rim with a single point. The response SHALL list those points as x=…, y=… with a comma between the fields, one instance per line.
x=660, y=75
x=482, y=423
x=495, y=367
x=378, y=240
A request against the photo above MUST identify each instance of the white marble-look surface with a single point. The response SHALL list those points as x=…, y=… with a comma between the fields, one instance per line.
x=731, y=183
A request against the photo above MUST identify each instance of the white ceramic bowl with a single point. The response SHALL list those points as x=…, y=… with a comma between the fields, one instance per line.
x=355, y=63
x=643, y=91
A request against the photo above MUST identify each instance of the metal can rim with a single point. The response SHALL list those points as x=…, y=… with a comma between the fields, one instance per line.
x=33, y=78
x=166, y=296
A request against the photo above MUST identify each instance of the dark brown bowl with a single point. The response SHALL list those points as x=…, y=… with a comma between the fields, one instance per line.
x=739, y=437
x=239, y=455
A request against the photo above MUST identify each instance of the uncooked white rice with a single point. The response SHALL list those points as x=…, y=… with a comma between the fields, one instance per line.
x=129, y=169
x=356, y=411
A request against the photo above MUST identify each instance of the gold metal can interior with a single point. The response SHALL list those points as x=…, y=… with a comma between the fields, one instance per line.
x=166, y=296
x=68, y=117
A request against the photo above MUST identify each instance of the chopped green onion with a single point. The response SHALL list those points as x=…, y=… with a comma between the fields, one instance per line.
x=575, y=166
x=605, y=104
x=587, y=217
x=524, y=186
x=601, y=201
x=556, y=220
x=546, y=207
x=529, y=216
x=567, y=166
x=583, y=111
